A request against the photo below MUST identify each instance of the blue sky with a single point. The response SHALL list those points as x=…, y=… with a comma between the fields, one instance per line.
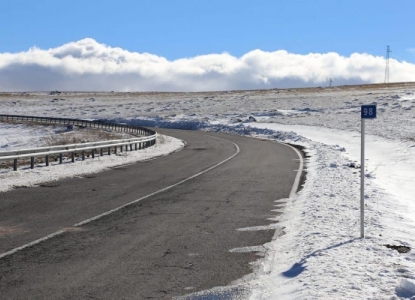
x=177, y=29
x=102, y=45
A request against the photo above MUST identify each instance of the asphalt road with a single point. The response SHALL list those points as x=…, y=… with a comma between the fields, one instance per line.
x=175, y=242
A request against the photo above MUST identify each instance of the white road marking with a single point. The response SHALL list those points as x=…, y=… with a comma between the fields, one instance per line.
x=10, y=252
x=299, y=171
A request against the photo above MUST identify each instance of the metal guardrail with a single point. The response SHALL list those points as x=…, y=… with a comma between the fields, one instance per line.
x=148, y=140
x=87, y=123
x=68, y=147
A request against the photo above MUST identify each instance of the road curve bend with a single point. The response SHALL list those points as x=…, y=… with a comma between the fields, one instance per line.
x=154, y=229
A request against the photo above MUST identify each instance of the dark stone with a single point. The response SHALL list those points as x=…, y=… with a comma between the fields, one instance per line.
x=399, y=248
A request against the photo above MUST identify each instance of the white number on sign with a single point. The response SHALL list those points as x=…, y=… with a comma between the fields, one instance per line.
x=368, y=112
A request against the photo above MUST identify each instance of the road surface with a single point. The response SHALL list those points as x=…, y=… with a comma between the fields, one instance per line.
x=175, y=242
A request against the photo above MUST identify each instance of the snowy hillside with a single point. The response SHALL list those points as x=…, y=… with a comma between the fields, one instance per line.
x=317, y=252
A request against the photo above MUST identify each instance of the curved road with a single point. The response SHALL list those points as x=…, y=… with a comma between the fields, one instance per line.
x=173, y=242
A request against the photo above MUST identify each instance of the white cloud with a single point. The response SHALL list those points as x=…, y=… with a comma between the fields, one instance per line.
x=88, y=65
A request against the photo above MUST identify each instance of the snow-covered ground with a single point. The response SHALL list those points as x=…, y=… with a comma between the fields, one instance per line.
x=16, y=136
x=19, y=136
x=317, y=252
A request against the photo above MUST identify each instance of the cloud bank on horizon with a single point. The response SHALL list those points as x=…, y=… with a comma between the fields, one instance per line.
x=87, y=65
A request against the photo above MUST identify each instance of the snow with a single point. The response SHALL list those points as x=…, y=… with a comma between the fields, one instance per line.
x=407, y=286
x=317, y=252
x=321, y=255
x=19, y=136
x=391, y=163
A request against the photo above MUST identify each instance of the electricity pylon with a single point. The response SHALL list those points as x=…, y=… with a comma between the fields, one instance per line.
x=388, y=50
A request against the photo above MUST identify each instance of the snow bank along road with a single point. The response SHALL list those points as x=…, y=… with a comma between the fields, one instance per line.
x=175, y=242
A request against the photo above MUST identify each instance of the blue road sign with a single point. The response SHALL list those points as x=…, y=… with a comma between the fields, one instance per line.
x=368, y=111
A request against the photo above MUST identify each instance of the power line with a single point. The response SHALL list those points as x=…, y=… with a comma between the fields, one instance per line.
x=398, y=57
x=388, y=50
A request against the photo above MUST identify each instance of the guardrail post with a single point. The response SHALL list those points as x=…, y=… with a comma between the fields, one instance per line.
x=15, y=164
x=83, y=155
x=47, y=160
x=73, y=156
x=131, y=147
x=115, y=149
x=121, y=148
x=60, y=158
x=101, y=151
x=93, y=153
x=32, y=162
x=135, y=146
x=109, y=150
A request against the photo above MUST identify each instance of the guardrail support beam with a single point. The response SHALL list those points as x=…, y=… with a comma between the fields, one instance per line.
x=47, y=160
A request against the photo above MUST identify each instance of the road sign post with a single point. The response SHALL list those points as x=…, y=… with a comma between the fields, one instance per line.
x=367, y=112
